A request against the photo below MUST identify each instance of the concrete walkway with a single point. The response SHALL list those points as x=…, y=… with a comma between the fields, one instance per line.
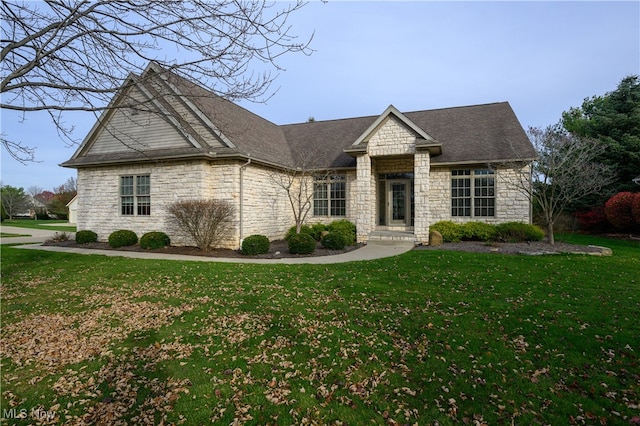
x=373, y=250
x=36, y=235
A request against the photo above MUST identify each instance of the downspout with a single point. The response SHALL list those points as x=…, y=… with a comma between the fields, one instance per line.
x=242, y=167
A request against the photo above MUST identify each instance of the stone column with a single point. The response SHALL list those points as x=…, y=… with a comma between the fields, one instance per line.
x=422, y=219
x=364, y=198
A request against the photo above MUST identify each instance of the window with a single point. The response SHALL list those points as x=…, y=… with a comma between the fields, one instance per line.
x=473, y=193
x=330, y=196
x=135, y=195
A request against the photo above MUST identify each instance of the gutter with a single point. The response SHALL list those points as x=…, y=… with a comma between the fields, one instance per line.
x=242, y=167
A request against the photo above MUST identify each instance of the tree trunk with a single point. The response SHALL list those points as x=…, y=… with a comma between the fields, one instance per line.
x=550, y=236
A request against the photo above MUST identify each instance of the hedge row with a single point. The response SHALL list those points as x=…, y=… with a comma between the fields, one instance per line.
x=123, y=237
x=480, y=231
x=622, y=212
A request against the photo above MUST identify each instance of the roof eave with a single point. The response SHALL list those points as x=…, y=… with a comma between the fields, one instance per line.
x=195, y=156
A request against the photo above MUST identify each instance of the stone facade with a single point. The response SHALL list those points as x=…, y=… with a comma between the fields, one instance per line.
x=99, y=199
x=392, y=149
x=512, y=205
x=261, y=205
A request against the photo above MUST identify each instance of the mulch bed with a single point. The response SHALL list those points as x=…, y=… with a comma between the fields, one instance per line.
x=531, y=248
x=279, y=249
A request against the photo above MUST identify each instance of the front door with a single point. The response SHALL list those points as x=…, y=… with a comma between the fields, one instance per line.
x=398, y=202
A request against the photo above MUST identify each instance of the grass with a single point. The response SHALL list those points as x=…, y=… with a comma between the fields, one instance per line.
x=40, y=224
x=428, y=335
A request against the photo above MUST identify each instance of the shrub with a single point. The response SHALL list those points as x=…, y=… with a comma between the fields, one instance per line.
x=592, y=219
x=334, y=241
x=618, y=211
x=478, y=231
x=84, y=237
x=154, y=240
x=451, y=232
x=317, y=230
x=514, y=232
x=255, y=244
x=59, y=237
x=122, y=238
x=304, y=229
x=635, y=208
x=301, y=244
x=206, y=221
x=42, y=214
x=346, y=228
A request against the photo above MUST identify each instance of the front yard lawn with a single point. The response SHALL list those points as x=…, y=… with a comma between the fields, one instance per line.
x=51, y=225
x=452, y=337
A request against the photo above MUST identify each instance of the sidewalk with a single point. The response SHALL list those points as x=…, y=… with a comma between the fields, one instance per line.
x=373, y=250
x=36, y=235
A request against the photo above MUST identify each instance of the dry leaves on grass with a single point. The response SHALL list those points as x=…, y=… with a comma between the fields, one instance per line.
x=53, y=341
x=118, y=404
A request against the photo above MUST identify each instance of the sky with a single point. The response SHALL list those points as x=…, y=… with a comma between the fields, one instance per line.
x=542, y=57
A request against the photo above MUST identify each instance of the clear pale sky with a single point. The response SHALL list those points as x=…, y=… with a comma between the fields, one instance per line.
x=542, y=57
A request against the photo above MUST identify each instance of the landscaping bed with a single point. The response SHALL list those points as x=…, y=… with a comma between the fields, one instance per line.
x=277, y=250
x=528, y=248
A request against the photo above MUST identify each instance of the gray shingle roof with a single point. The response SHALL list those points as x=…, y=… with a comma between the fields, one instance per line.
x=479, y=133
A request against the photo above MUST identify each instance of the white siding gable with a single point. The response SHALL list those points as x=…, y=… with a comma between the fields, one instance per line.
x=139, y=131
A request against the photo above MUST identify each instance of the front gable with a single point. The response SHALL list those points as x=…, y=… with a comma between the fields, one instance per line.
x=127, y=129
x=392, y=133
x=150, y=119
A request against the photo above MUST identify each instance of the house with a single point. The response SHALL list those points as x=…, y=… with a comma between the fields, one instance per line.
x=72, y=205
x=397, y=172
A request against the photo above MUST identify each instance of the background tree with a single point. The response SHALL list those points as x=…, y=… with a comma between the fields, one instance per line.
x=72, y=55
x=62, y=195
x=565, y=171
x=14, y=200
x=613, y=119
x=39, y=207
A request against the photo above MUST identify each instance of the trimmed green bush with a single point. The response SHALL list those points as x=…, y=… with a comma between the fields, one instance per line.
x=154, y=240
x=122, y=238
x=255, y=244
x=451, y=232
x=301, y=244
x=346, y=228
x=317, y=230
x=304, y=229
x=478, y=231
x=334, y=241
x=514, y=232
x=84, y=237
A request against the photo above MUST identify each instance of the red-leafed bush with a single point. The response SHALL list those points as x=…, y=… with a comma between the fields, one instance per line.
x=594, y=219
x=618, y=211
x=635, y=208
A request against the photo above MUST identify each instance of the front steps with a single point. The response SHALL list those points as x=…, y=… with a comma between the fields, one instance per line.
x=393, y=236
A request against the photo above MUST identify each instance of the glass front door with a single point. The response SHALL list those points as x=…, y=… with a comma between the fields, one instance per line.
x=398, y=202
x=395, y=200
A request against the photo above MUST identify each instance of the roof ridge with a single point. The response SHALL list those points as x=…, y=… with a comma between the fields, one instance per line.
x=458, y=107
x=403, y=112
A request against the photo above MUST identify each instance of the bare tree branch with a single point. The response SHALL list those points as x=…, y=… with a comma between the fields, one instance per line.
x=564, y=172
x=72, y=55
x=298, y=183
